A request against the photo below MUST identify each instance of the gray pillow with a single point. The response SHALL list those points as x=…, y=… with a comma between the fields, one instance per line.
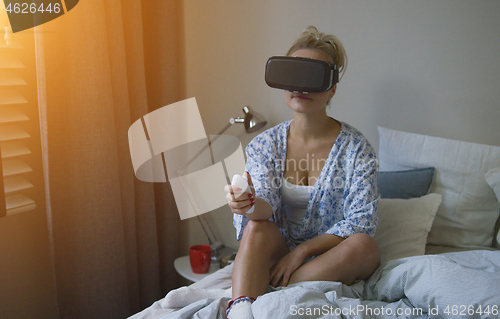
x=405, y=184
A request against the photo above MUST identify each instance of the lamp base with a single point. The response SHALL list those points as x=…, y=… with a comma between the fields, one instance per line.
x=220, y=251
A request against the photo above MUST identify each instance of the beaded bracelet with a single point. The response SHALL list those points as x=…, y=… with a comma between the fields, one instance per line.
x=237, y=300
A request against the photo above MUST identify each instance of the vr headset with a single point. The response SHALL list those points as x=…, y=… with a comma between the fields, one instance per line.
x=297, y=74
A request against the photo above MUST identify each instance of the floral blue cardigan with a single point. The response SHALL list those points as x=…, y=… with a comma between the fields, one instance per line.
x=344, y=199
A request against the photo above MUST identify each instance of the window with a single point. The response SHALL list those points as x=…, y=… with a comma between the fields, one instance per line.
x=20, y=145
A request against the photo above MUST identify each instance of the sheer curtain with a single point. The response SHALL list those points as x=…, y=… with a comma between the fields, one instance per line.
x=100, y=67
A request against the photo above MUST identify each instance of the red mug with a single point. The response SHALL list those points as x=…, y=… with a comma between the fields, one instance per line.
x=200, y=258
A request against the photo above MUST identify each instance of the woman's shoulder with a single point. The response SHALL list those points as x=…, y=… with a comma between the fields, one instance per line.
x=353, y=136
x=350, y=130
x=274, y=134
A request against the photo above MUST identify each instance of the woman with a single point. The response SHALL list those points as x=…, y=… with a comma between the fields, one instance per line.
x=313, y=183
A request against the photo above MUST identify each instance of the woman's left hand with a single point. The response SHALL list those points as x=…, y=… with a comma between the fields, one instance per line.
x=282, y=271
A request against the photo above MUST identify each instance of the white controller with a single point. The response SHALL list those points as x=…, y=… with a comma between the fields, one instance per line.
x=242, y=183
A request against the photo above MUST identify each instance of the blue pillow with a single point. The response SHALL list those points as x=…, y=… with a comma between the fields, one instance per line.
x=405, y=184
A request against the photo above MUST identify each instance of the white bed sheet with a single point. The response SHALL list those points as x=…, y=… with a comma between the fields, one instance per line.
x=451, y=285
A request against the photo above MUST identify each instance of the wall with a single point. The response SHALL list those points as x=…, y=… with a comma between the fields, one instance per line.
x=428, y=67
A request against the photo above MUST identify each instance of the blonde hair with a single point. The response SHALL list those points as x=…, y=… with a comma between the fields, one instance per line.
x=329, y=44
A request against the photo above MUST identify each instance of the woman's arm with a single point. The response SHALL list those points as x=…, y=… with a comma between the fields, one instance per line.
x=264, y=164
x=286, y=266
x=360, y=194
x=318, y=245
x=245, y=201
x=262, y=210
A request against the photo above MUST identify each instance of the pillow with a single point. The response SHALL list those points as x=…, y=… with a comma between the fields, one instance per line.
x=405, y=184
x=493, y=179
x=403, y=225
x=467, y=216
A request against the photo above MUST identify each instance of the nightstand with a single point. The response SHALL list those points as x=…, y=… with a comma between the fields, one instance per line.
x=183, y=268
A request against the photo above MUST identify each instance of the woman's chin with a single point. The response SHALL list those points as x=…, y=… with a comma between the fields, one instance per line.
x=302, y=106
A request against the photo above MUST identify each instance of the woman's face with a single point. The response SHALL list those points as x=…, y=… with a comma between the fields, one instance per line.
x=312, y=102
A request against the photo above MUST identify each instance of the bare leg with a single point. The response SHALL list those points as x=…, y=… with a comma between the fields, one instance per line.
x=261, y=246
x=356, y=257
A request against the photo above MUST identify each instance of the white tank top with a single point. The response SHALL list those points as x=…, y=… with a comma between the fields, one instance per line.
x=296, y=198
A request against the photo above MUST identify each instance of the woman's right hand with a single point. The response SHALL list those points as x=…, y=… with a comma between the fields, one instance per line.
x=241, y=204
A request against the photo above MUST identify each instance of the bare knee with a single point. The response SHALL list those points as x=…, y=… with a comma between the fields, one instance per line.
x=364, y=245
x=366, y=250
x=257, y=233
x=265, y=237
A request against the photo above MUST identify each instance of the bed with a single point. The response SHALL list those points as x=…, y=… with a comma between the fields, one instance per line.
x=438, y=235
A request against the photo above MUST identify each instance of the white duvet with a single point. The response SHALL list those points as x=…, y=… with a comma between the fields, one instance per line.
x=452, y=285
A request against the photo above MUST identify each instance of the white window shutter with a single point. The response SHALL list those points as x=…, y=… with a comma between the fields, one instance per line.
x=17, y=102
